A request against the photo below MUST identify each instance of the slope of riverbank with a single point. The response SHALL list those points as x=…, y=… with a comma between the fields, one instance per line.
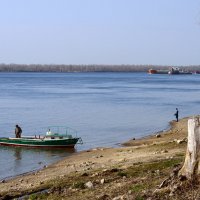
x=133, y=171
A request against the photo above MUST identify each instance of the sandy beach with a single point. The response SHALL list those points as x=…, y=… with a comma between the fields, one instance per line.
x=106, y=173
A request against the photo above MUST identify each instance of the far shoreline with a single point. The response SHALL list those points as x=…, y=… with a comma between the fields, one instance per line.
x=73, y=68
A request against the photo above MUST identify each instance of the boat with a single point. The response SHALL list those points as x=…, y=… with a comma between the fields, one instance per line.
x=55, y=137
x=172, y=71
x=177, y=71
x=153, y=71
x=196, y=72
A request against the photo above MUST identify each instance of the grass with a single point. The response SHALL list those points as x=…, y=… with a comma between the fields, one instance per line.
x=138, y=188
x=79, y=185
x=42, y=196
x=141, y=170
x=139, y=198
x=139, y=177
x=122, y=174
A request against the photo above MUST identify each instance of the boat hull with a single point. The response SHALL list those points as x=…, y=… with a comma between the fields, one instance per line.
x=39, y=143
x=153, y=71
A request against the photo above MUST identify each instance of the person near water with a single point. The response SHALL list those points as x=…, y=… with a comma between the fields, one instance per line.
x=18, y=131
x=176, y=114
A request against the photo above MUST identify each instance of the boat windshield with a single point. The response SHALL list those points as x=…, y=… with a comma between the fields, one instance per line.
x=61, y=131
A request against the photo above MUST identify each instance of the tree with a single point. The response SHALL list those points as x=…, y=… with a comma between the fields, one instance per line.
x=191, y=166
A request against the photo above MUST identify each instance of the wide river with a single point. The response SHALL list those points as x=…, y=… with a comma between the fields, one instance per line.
x=105, y=108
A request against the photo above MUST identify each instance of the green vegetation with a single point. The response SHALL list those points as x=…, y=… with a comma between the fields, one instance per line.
x=122, y=174
x=80, y=185
x=138, y=178
x=138, y=188
x=141, y=177
x=139, y=198
x=40, y=196
x=141, y=170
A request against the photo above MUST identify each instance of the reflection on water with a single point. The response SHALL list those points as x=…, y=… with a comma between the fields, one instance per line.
x=17, y=154
x=22, y=160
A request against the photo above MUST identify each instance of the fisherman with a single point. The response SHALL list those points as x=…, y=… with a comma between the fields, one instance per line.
x=18, y=131
x=176, y=114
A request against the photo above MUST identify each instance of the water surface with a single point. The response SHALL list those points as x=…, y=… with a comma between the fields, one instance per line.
x=105, y=108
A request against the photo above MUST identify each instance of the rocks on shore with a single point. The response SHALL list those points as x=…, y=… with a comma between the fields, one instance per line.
x=158, y=135
x=102, y=181
x=89, y=185
x=184, y=140
x=162, y=151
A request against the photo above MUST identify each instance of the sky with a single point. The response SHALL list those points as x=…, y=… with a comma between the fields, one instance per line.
x=158, y=32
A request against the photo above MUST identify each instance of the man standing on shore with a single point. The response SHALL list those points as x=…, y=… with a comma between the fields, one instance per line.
x=176, y=114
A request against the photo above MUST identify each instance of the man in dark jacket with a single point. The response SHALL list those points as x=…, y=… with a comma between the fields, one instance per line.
x=176, y=114
x=18, y=131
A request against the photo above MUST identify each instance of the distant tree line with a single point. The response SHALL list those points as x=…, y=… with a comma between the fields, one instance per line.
x=88, y=68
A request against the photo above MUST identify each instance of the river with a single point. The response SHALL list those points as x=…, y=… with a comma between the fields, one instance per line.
x=105, y=108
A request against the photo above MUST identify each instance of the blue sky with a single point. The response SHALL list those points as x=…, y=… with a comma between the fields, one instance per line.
x=161, y=32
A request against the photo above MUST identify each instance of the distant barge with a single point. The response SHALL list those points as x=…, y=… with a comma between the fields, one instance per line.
x=178, y=71
x=172, y=71
x=153, y=71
